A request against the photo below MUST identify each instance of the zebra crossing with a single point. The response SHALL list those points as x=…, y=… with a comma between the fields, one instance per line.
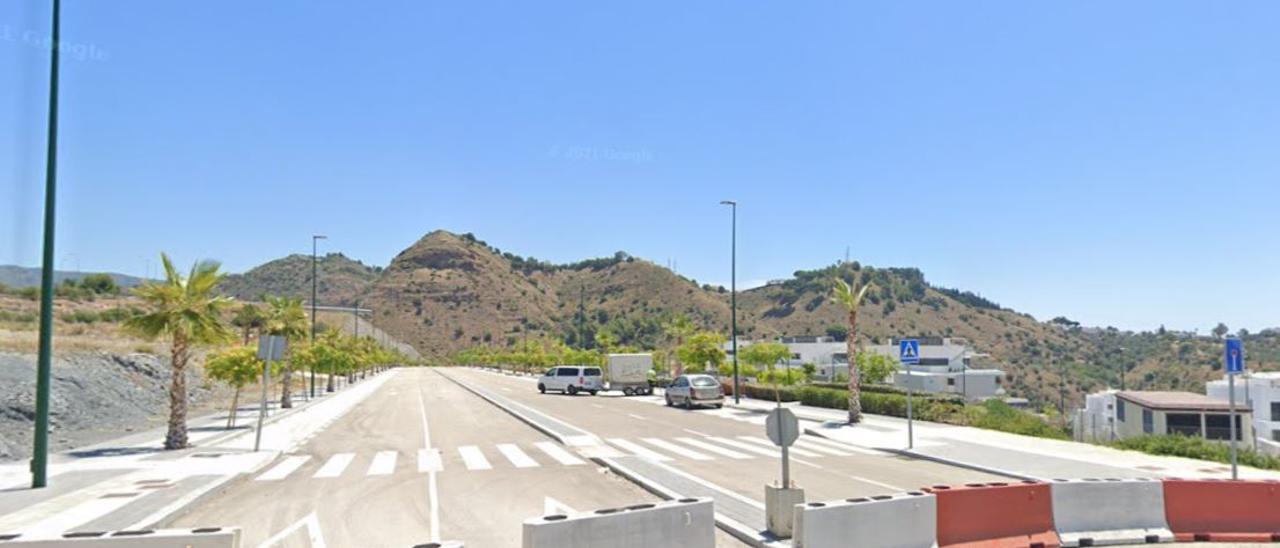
x=539, y=454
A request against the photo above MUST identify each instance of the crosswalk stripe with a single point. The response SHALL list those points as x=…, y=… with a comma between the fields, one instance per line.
x=473, y=458
x=556, y=452
x=747, y=447
x=334, y=466
x=517, y=457
x=286, y=467
x=793, y=450
x=842, y=446
x=639, y=450
x=687, y=453
x=384, y=463
x=713, y=448
x=806, y=444
x=429, y=460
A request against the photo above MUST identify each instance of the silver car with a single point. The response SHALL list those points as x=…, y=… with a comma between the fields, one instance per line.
x=691, y=390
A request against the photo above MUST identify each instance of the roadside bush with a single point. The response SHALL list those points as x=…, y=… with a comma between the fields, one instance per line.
x=997, y=415
x=1196, y=448
x=81, y=316
x=18, y=317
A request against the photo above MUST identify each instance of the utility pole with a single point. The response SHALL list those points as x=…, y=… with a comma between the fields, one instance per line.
x=44, y=359
x=733, y=297
x=314, y=273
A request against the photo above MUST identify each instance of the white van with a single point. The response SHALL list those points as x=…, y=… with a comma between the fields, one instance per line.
x=571, y=379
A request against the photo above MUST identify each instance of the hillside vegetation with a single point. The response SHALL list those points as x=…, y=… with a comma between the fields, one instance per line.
x=340, y=280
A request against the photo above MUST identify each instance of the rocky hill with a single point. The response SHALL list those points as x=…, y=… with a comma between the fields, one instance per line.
x=341, y=280
x=25, y=276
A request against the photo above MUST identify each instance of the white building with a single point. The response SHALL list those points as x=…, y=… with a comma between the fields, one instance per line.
x=1111, y=415
x=1097, y=421
x=823, y=352
x=1260, y=393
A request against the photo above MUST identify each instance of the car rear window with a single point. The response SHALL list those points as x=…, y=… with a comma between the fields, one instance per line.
x=567, y=372
x=704, y=381
x=593, y=372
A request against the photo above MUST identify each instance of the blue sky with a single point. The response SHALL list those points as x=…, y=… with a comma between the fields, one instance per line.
x=1112, y=162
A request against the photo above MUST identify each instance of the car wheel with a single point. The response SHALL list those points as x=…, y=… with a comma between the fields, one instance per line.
x=592, y=392
x=669, y=404
x=719, y=406
x=628, y=391
x=542, y=389
x=572, y=390
x=688, y=403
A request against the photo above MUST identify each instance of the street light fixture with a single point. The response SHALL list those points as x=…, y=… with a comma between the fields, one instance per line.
x=314, y=239
x=733, y=296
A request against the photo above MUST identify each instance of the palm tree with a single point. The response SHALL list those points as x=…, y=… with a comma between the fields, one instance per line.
x=187, y=312
x=248, y=318
x=285, y=318
x=850, y=298
x=678, y=328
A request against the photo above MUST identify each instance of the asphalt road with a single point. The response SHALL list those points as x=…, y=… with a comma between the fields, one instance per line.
x=366, y=480
x=700, y=442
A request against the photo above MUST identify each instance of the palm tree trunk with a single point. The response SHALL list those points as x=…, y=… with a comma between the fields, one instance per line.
x=855, y=381
x=176, y=438
x=235, y=408
x=286, y=390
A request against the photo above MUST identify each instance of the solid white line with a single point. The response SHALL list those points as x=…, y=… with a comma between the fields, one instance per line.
x=334, y=466
x=384, y=463
x=556, y=452
x=517, y=457
x=639, y=450
x=637, y=417
x=664, y=444
x=696, y=433
x=803, y=443
x=894, y=488
x=473, y=458
x=597, y=406
x=282, y=470
x=713, y=448
x=794, y=450
x=429, y=460
x=842, y=445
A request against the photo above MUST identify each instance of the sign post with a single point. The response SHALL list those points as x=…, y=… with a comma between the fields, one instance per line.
x=783, y=430
x=270, y=348
x=908, y=355
x=1234, y=362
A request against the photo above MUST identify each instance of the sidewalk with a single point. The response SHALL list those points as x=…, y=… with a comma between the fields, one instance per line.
x=131, y=483
x=1002, y=453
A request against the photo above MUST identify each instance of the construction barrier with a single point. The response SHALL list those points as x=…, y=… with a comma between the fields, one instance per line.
x=206, y=537
x=1103, y=512
x=1223, y=510
x=1017, y=514
x=685, y=522
x=901, y=521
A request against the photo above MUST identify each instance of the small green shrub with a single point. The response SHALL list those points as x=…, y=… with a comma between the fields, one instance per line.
x=1196, y=448
x=998, y=415
x=18, y=317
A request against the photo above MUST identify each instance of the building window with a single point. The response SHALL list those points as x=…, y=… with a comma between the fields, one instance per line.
x=1148, y=421
x=1186, y=424
x=1275, y=410
x=951, y=381
x=1218, y=427
x=1119, y=410
x=1275, y=435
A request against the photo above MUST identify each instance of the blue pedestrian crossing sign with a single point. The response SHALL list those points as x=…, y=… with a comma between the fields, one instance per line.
x=1234, y=356
x=909, y=351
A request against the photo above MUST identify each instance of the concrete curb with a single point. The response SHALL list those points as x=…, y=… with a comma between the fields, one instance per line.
x=738, y=530
x=940, y=460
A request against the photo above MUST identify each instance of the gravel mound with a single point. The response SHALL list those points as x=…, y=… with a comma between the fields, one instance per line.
x=96, y=397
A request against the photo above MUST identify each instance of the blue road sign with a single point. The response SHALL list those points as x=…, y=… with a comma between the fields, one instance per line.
x=1235, y=356
x=909, y=351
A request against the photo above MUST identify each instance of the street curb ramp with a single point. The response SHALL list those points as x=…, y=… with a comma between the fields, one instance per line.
x=1222, y=510
x=995, y=515
x=907, y=520
x=687, y=522
x=1102, y=512
x=206, y=537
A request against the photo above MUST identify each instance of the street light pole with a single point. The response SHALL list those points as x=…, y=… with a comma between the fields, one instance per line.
x=314, y=238
x=733, y=297
x=44, y=365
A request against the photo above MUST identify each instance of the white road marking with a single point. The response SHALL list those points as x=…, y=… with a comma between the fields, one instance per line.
x=664, y=444
x=597, y=406
x=505, y=389
x=637, y=417
x=794, y=450
x=600, y=452
x=552, y=506
x=384, y=463
x=556, y=452
x=713, y=448
x=696, y=433
x=429, y=460
x=313, y=532
x=747, y=447
x=473, y=458
x=806, y=444
x=282, y=470
x=874, y=482
x=843, y=445
x=639, y=450
x=517, y=457
x=334, y=466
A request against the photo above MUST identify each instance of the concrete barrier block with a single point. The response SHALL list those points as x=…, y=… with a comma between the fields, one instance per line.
x=686, y=523
x=907, y=520
x=207, y=537
x=1106, y=512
